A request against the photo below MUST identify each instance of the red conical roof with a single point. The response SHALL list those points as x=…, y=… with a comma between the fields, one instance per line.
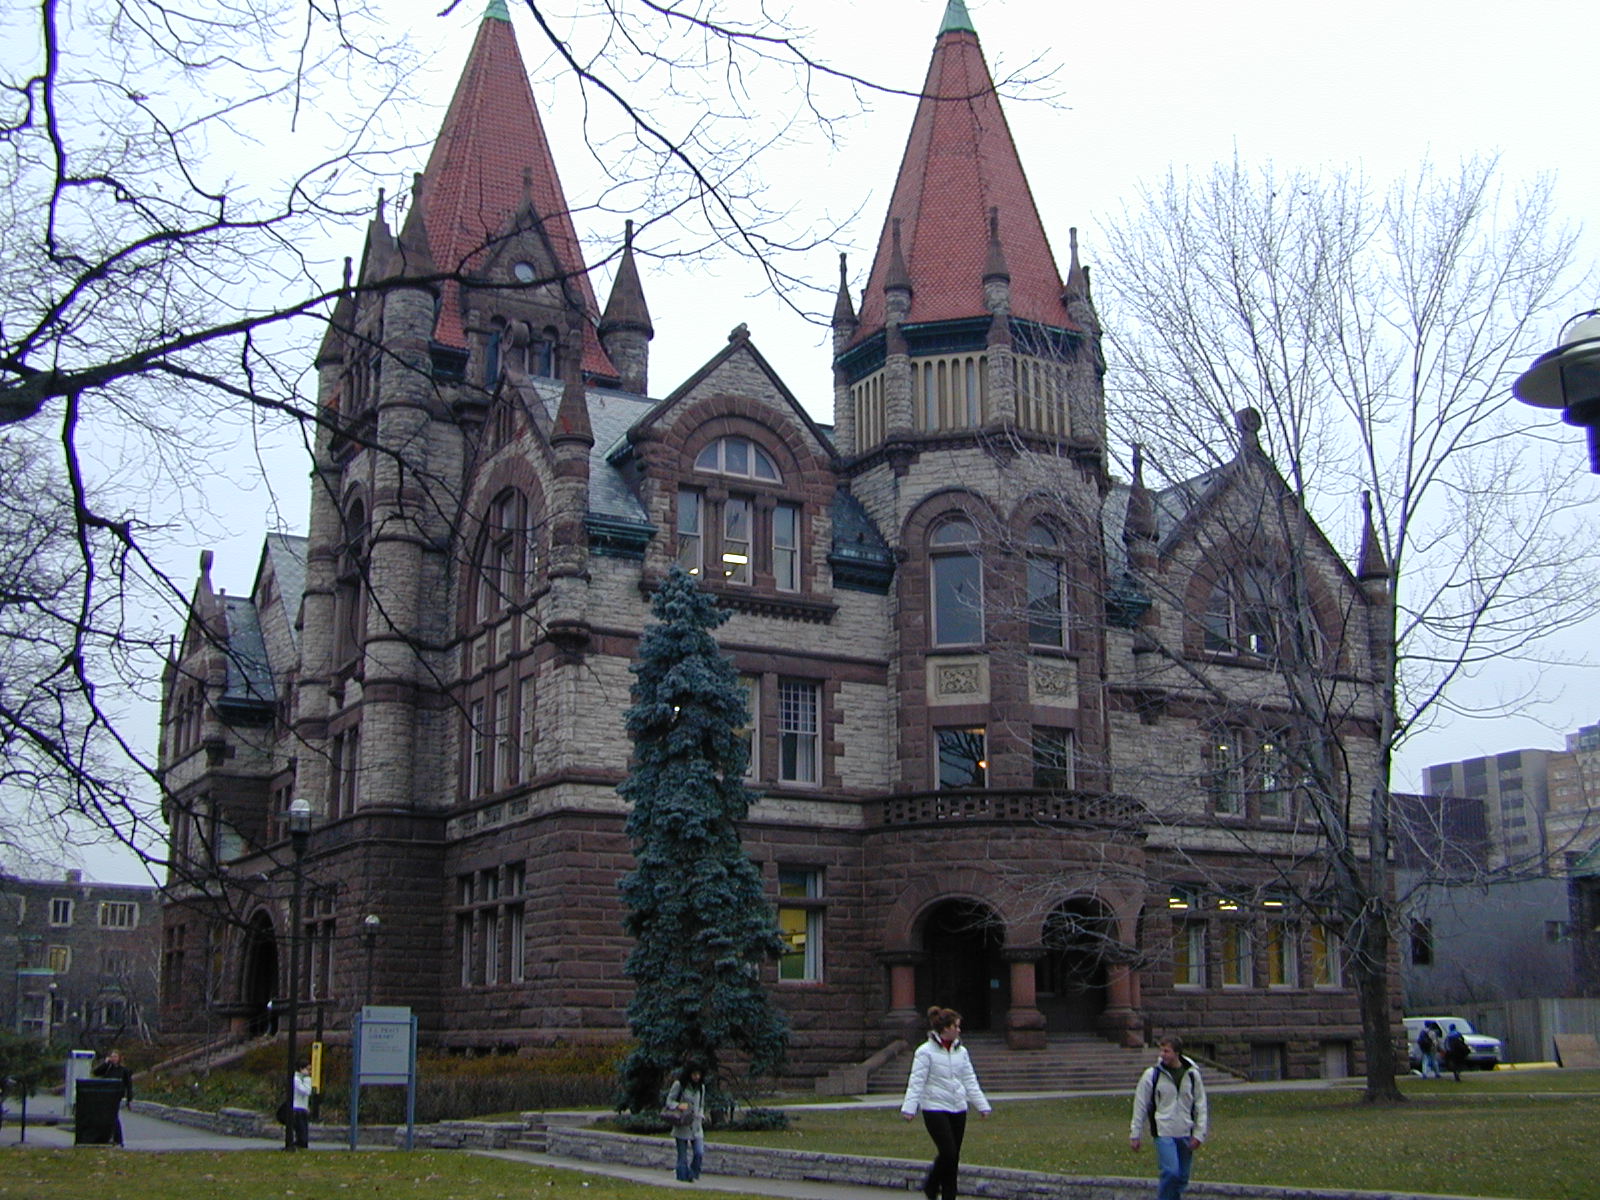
x=959, y=163
x=490, y=162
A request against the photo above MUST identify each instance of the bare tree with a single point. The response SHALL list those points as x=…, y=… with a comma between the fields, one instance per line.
x=1376, y=337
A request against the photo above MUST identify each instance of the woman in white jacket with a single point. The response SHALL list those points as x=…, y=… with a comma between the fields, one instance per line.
x=941, y=1086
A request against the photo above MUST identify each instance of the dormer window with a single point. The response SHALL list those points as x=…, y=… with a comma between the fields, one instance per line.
x=740, y=534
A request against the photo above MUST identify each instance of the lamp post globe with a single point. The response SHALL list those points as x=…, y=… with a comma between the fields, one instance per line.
x=1568, y=378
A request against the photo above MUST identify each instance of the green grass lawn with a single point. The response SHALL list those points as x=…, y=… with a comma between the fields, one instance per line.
x=1506, y=1135
x=85, y=1172
x=1521, y=1135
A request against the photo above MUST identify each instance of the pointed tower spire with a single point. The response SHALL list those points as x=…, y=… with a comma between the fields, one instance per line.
x=995, y=267
x=844, y=312
x=625, y=329
x=490, y=164
x=956, y=18
x=340, y=323
x=959, y=152
x=1372, y=566
x=413, y=255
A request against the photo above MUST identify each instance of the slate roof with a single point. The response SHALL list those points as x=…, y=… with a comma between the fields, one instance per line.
x=474, y=182
x=959, y=162
x=249, y=672
x=288, y=554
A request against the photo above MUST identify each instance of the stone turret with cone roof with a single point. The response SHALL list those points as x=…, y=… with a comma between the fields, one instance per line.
x=965, y=323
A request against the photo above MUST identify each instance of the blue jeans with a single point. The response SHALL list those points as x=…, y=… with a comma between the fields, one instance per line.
x=1173, y=1156
x=691, y=1153
x=1430, y=1065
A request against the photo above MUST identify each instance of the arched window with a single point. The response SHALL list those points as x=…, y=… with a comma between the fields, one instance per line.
x=1240, y=614
x=350, y=592
x=735, y=535
x=1047, y=597
x=738, y=456
x=505, y=556
x=956, y=592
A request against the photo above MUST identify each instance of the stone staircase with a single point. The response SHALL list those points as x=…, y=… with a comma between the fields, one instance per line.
x=1071, y=1062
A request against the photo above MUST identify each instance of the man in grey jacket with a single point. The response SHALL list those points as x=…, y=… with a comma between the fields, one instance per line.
x=1171, y=1102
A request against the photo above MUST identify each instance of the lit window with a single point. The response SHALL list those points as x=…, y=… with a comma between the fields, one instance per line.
x=1236, y=951
x=963, y=757
x=1226, y=777
x=59, y=959
x=798, y=725
x=1326, y=969
x=957, y=584
x=800, y=924
x=1282, y=960
x=736, y=540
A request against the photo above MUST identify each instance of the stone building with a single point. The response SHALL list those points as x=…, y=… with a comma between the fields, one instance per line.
x=989, y=777
x=83, y=958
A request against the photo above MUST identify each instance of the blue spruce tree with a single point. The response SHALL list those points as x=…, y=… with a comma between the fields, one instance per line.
x=696, y=909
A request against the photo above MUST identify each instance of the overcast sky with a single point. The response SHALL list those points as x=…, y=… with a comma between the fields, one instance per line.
x=1140, y=87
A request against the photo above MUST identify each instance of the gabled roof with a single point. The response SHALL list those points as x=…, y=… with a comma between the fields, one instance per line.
x=287, y=553
x=739, y=343
x=490, y=163
x=250, y=680
x=960, y=162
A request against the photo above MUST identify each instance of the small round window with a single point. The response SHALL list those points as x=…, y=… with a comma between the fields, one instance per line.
x=524, y=272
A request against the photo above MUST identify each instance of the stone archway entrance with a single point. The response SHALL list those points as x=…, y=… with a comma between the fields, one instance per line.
x=963, y=968
x=1072, y=974
x=259, y=982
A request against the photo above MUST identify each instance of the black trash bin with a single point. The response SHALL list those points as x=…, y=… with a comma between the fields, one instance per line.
x=95, y=1105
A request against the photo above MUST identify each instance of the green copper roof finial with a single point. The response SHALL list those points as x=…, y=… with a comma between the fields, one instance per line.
x=955, y=18
x=498, y=12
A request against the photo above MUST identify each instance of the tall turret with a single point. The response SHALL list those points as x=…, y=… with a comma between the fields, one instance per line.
x=964, y=286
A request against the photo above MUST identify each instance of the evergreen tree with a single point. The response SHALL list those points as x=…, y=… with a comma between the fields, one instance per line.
x=696, y=909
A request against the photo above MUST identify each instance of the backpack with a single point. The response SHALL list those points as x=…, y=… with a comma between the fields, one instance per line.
x=1425, y=1040
x=1454, y=1043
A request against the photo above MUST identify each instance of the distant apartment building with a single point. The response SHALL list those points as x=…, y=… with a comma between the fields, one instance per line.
x=1572, y=824
x=1514, y=787
x=83, y=956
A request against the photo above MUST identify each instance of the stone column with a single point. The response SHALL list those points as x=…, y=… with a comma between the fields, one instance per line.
x=1024, y=1021
x=903, y=1019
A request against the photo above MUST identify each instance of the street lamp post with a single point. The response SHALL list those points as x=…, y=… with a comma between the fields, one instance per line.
x=299, y=832
x=1568, y=378
x=369, y=942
